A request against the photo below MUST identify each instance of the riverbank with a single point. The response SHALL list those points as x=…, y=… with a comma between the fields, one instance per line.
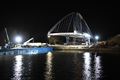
x=98, y=50
x=80, y=48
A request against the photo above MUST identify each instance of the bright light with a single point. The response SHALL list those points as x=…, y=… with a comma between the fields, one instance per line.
x=18, y=39
x=87, y=35
x=75, y=32
x=96, y=37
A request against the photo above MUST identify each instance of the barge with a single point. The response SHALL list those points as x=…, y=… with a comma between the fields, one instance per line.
x=38, y=50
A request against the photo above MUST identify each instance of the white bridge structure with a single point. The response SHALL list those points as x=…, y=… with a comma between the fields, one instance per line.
x=72, y=26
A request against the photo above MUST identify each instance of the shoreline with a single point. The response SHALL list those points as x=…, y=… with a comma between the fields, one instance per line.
x=85, y=49
x=88, y=50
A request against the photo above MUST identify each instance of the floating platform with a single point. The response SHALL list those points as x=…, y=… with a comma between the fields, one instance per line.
x=39, y=50
x=69, y=47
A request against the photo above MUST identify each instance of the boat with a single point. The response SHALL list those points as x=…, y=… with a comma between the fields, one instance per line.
x=25, y=48
x=70, y=47
x=38, y=50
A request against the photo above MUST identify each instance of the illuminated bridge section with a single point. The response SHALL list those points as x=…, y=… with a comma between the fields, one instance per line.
x=72, y=25
x=78, y=35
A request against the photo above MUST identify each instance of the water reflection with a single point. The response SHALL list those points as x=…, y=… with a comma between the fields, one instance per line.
x=98, y=68
x=18, y=67
x=27, y=67
x=77, y=66
x=92, y=72
x=86, y=66
x=48, y=73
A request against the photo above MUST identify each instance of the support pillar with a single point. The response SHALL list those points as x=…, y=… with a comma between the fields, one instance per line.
x=67, y=40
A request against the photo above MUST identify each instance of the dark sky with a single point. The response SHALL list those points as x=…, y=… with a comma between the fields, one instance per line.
x=34, y=20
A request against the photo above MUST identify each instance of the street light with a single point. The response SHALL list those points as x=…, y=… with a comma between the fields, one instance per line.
x=97, y=38
x=18, y=39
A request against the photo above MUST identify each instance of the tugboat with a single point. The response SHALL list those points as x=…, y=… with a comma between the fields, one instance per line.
x=25, y=48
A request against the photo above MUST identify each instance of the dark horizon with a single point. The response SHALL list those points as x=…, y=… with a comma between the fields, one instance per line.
x=35, y=20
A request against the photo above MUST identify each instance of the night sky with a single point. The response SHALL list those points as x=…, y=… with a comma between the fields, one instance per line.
x=34, y=20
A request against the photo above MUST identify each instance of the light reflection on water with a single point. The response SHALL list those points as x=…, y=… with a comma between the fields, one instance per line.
x=98, y=67
x=18, y=68
x=48, y=73
x=92, y=73
x=86, y=66
x=52, y=66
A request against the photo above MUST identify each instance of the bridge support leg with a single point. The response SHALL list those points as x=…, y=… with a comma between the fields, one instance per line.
x=67, y=40
x=88, y=42
x=74, y=40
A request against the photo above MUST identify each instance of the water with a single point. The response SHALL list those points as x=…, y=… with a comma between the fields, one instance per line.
x=60, y=66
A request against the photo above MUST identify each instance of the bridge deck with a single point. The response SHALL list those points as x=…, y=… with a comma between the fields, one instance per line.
x=67, y=34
